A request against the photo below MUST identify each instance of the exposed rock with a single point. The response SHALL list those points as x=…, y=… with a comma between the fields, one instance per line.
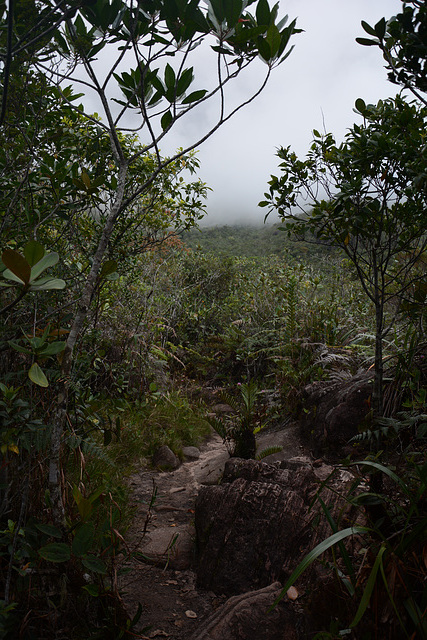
x=190, y=453
x=255, y=527
x=211, y=468
x=334, y=411
x=170, y=546
x=247, y=617
x=222, y=408
x=165, y=459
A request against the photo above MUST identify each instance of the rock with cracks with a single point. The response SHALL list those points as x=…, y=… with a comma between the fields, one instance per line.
x=248, y=617
x=253, y=528
x=334, y=412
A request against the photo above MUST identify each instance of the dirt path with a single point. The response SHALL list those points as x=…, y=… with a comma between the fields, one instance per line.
x=159, y=575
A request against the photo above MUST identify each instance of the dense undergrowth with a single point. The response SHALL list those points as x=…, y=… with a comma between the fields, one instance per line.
x=164, y=342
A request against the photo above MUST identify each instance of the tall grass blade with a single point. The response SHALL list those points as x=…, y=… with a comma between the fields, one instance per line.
x=369, y=588
x=315, y=553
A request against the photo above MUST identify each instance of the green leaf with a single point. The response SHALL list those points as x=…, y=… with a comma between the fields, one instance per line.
x=7, y=273
x=17, y=264
x=233, y=11
x=274, y=39
x=166, y=120
x=96, y=494
x=33, y=252
x=388, y=472
x=37, y=376
x=92, y=590
x=52, y=349
x=108, y=268
x=18, y=347
x=380, y=28
x=218, y=9
x=86, y=179
x=169, y=77
x=112, y=277
x=44, y=284
x=195, y=96
x=93, y=563
x=56, y=552
x=83, y=539
x=360, y=105
x=263, y=48
x=263, y=13
x=184, y=81
x=48, y=260
x=364, y=602
x=367, y=27
x=49, y=530
x=367, y=43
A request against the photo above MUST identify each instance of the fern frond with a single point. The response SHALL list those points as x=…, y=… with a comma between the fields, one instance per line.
x=92, y=448
x=340, y=376
x=268, y=451
x=227, y=398
x=219, y=426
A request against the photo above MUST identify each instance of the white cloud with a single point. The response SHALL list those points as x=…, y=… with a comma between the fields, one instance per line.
x=319, y=82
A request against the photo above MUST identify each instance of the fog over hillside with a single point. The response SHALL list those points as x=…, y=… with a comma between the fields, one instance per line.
x=315, y=88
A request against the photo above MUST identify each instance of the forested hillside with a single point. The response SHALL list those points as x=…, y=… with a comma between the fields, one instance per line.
x=251, y=241
x=124, y=328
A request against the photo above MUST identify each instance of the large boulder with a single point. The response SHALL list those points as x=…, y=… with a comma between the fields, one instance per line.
x=335, y=412
x=254, y=528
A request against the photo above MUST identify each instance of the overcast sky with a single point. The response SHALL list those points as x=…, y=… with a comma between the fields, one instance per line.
x=316, y=86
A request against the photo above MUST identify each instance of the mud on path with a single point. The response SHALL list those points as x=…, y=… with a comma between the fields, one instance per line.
x=159, y=573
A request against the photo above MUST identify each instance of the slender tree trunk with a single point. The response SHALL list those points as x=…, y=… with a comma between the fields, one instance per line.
x=377, y=512
x=60, y=413
x=377, y=391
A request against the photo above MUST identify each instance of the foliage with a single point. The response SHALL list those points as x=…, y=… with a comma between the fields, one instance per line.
x=169, y=418
x=375, y=206
x=111, y=324
x=238, y=429
x=93, y=196
x=119, y=207
x=251, y=242
x=389, y=575
x=402, y=42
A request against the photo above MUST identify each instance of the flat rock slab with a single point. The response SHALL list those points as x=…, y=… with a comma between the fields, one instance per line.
x=170, y=546
x=210, y=470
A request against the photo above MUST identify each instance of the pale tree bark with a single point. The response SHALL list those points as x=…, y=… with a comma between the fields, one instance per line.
x=60, y=414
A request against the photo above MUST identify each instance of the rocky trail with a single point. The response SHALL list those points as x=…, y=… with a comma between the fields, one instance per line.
x=160, y=571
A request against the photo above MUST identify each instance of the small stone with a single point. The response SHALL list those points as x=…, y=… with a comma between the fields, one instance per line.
x=292, y=593
x=190, y=453
x=165, y=459
x=190, y=614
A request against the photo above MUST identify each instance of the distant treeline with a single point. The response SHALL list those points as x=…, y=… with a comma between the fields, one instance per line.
x=251, y=242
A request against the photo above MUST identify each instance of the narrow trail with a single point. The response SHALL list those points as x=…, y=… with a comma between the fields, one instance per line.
x=159, y=574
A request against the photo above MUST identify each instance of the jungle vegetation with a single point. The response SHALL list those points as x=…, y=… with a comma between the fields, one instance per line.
x=114, y=322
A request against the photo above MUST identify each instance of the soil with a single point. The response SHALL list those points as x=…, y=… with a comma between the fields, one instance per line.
x=159, y=573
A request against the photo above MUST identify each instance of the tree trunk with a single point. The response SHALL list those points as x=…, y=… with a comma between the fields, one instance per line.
x=377, y=391
x=60, y=413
